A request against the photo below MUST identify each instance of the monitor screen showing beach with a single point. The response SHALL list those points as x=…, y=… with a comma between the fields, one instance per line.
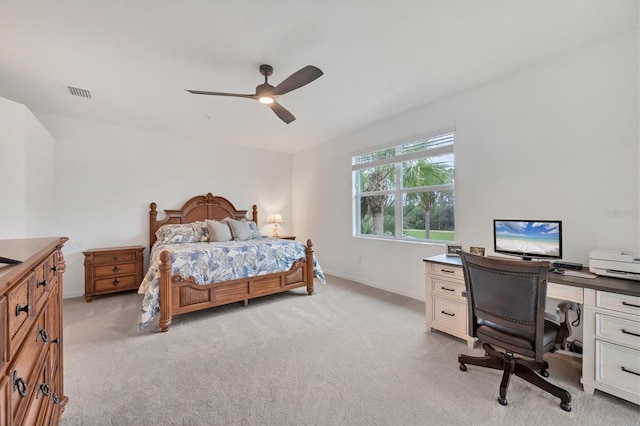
x=531, y=238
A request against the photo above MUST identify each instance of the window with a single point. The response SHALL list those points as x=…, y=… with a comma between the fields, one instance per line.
x=406, y=191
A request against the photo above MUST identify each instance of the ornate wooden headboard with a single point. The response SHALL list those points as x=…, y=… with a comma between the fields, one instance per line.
x=197, y=208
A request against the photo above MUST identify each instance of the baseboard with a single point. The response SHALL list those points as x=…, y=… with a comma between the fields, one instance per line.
x=375, y=285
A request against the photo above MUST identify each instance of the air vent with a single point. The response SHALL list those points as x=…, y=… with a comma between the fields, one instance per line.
x=79, y=92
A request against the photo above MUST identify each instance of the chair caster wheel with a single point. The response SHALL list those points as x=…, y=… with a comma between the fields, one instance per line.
x=502, y=401
x=544, y=373
x=565, y=406
x=463, y=367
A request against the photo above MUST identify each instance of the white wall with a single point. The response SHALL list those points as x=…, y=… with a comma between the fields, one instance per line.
x=555, y=141
x=27, y=200
x=107, y=175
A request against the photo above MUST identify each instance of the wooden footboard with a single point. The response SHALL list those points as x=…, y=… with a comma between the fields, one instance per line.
x=179, y=295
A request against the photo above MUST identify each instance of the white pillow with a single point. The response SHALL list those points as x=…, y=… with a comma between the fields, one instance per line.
x=239, y=229
x=218, y=231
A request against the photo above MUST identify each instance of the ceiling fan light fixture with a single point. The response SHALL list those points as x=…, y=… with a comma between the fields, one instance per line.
x=266, y=100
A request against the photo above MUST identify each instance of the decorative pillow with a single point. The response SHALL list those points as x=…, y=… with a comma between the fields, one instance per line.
x=239, y=229
x=255, y=231
x=195, y=232
x=218, y=231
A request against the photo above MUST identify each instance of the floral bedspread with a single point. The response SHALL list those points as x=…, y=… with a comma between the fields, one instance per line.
x=209, y=262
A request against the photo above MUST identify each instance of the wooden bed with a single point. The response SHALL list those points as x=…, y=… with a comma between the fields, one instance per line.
x=180, y=295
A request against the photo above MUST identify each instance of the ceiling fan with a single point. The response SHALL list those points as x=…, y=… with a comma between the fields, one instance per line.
x=267, y=94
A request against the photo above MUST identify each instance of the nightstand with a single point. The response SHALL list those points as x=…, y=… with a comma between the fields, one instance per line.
x=111, y=270
x=287, y=237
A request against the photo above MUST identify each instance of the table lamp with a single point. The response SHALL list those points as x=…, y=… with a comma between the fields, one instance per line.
x=275, y=218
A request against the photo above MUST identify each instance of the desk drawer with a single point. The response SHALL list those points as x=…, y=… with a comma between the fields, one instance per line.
x=618, y=330
x=565, y=292
x=618, y=367
x=618, y=302
x=448, y=288
x=451, y=272
x=450, y=314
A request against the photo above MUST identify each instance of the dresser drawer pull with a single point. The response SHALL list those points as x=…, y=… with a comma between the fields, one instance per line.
x=448, y=289
x=115, y=257
x=54, y=268
x=448, y=271
x=115, y=282
x=56, y=340
x=115, y=269
x=19, y=385
x=630, y=371
x=42, y=333
x=41, y=283
x=630, y=304
x=43, y=389
x=630, y=332
x=26, y=308
x=448, y=313
x=55, y=399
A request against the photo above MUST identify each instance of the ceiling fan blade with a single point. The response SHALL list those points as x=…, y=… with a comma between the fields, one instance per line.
x=298, y=79
x=281, y=112
x=237, y=95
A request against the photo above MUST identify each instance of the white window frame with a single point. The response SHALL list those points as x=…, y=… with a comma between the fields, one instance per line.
x=398, y=191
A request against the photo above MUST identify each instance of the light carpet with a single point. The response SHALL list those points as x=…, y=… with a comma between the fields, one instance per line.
x=347, y=355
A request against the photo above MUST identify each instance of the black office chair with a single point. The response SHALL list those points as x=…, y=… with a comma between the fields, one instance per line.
x=506, y=303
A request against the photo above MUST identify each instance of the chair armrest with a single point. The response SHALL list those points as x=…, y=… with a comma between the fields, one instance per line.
x=561, y=319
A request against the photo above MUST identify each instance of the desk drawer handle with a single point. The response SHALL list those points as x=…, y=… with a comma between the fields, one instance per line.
x=448, y=313
x=629, y=332
x=448, y=271
x=115, y=269
x=630, y=304
x=26, y=308
x=448, y=289
x=630, y=372
x=21, y=386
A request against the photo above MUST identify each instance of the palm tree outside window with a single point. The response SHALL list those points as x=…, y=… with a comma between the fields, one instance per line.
x=406, y=191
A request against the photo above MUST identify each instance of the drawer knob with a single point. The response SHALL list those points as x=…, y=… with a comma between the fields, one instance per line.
x=42, y=333
x=115, y=257
x=26, y=308
x=54, y=268
x=630, y=332
x=630, y=371
x=55, y=399
x=56, y=340
x=41, y=283
x=115, y=282
x=115, y=269
x=448, y=313
x=43, y=389
x=19, y=385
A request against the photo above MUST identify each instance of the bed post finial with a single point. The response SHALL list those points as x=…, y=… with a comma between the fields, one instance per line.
x=153, y=209
x=254, y=213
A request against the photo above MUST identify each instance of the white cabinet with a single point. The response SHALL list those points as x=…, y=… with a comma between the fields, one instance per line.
x=611, y=354
x=446, y=306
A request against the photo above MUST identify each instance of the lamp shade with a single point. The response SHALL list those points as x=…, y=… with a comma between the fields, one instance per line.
x=275, y=218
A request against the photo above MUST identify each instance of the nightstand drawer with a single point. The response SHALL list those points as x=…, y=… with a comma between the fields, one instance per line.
x=119, y=269
x=114, y=257
x=116, y=284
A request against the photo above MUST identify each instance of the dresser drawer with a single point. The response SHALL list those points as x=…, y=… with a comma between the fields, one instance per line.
x=116, y=284
x=111, y=270
x=39, y=396
x=450, y=314
x=618, y=366
x=448, y=288
x=451, y=272
x=114, y=257
x=618, y=302
x=19, y=303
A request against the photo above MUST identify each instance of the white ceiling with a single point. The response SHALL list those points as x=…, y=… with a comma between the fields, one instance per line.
x=380, y=58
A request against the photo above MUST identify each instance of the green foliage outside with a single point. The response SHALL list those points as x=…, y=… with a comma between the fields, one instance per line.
x=433, y=235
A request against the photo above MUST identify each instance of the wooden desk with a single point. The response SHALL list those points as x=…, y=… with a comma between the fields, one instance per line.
x=611, y=321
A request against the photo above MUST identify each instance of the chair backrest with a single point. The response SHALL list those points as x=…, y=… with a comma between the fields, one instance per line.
x=509, y=294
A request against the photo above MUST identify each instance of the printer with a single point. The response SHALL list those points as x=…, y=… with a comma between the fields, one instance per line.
x=614, y=263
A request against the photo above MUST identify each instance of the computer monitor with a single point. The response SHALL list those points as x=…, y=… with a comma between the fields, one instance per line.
x=540, y=239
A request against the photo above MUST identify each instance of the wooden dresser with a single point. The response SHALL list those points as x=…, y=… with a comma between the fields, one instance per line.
x=31, y=362
x=111, y=270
